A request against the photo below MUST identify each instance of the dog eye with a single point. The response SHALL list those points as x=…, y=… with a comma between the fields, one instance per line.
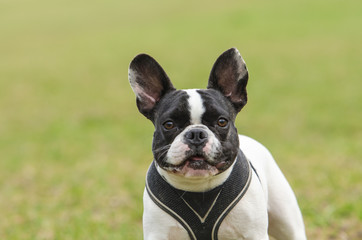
x=169, y=125
x=222, y=122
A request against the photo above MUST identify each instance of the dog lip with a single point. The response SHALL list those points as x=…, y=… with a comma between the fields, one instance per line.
x=196, y=158
x=196, y=161
x=220, y=164
x=197, y=166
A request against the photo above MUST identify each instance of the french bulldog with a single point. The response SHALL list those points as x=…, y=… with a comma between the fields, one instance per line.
x=206, y=180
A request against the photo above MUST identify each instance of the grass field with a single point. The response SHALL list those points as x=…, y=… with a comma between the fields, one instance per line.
x=74, y=150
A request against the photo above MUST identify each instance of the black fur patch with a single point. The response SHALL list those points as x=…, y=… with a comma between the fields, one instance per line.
x=173, y=106
x=219, y=107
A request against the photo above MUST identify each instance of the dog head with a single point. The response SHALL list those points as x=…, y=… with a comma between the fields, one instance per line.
x=194, y=133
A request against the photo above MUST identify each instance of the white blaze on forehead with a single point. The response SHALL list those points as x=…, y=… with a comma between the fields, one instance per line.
x=196, y=106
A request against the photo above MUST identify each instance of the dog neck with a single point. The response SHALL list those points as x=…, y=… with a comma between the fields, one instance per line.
x=195, y=184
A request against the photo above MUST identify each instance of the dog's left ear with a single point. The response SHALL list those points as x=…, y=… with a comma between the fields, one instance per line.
x=229, y=75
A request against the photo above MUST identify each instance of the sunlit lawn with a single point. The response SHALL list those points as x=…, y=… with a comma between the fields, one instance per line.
x=74, y=150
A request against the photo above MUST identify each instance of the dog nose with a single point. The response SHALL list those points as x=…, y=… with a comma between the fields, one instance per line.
x=196, y=136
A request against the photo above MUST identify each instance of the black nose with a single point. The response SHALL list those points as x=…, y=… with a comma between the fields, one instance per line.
x=196, y=136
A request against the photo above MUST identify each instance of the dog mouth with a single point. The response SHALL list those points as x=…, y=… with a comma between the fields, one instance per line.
x=201, y=162
x=196, y=162
x=196, y=166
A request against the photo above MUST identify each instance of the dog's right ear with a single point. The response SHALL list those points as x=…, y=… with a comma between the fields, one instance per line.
x=149, y=82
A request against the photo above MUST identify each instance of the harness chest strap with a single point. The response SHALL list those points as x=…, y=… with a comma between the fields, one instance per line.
x=200, y=213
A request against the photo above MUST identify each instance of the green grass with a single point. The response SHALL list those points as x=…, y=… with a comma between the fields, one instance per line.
x=74, y=150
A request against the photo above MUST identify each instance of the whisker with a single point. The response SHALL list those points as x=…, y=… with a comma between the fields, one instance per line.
x=161, y=151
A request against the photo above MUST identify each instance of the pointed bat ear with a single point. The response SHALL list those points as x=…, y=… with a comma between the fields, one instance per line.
x=229, y=75
x=149, y=82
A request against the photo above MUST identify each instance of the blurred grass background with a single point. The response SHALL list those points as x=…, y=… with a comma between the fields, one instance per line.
x=74, y=150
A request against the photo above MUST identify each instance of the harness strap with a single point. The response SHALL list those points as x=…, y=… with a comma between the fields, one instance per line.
x=255, y=171
x=200, y=213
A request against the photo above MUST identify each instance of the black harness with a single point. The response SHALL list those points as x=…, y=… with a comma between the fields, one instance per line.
x=201, y=213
